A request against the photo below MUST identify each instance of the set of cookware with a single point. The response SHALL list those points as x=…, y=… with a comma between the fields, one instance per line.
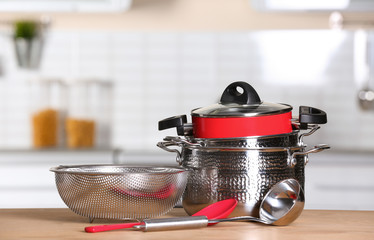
x=242, y=157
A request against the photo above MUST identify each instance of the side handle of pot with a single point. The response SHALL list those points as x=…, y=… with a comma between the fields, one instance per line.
x=310, y=115
x=166, y=146
x=316, y=149
x=179, y=122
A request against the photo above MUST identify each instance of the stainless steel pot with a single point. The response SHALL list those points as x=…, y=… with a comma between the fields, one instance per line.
x=240, y=168
x=240, y=147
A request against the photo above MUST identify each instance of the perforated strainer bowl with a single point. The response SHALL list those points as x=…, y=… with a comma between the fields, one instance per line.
x=118, y=191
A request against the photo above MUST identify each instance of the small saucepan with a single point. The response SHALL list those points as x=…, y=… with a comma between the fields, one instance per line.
x=241, y=113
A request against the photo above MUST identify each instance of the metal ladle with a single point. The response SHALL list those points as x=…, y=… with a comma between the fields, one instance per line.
x=281, y=205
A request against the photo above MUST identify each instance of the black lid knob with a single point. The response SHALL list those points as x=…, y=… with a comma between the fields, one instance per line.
x=247, y=95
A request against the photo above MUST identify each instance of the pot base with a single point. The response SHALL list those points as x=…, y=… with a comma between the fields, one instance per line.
x=245, y=175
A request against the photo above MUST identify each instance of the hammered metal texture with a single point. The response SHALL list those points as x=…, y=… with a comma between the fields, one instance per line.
x=299, y=170
x=246, y=175
x=117, y=192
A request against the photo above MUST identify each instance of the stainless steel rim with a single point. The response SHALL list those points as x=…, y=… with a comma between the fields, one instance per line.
x=294, y=132
x=77, y=169
x=260, y=149
x=177, y=141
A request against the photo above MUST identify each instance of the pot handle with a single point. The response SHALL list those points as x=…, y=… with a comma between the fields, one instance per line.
x=175, y=141
x=165, y=146
x=179, y=122
x=316, y=149
x=232, y=95
x=310, y=115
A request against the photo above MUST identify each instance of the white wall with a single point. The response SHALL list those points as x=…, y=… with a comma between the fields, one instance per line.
x=161, y=74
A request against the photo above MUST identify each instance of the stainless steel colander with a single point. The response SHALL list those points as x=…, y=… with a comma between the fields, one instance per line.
x=118, y=191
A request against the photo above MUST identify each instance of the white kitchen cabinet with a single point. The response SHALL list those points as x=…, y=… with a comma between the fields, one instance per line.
x=333, y=180
x=25, y=179
x=343, y=181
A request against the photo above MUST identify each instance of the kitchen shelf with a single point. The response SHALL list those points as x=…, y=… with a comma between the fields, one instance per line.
x=9, y=155
x=56, y=150
x=65, y=6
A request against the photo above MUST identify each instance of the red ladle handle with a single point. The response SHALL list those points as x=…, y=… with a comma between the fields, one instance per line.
x=221, y=209
x=102, y=228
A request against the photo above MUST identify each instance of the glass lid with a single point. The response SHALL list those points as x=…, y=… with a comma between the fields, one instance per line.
x=241, y=100
x=238, y=110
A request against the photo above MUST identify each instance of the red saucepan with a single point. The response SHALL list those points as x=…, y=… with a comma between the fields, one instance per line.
x=241, y=113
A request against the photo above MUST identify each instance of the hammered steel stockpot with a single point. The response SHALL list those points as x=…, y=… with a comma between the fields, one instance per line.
x=242, y=166
x=242, y=169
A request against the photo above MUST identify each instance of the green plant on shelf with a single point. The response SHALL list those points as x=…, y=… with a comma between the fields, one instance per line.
x=26, y=29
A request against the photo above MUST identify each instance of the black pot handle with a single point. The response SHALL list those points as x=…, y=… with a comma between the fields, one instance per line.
x=232, y=95
x=310, y=115
x=171, y=122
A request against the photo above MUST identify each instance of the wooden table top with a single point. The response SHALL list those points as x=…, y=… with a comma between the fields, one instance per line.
x=64, y=224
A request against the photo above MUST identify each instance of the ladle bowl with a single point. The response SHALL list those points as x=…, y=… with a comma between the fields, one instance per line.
x=282, y=205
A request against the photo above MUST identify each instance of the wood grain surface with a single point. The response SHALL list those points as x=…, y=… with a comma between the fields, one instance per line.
x=64, y=224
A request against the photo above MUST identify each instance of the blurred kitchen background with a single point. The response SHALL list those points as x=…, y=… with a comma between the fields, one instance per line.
x=124, y=65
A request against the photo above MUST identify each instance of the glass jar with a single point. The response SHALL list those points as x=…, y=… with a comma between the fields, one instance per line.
x=89, y=114
x=48, y=109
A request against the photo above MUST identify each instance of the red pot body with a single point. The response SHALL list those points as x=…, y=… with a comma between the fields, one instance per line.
x=232, y=127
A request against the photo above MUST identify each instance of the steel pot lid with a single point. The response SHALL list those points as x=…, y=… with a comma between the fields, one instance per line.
x=241, y=100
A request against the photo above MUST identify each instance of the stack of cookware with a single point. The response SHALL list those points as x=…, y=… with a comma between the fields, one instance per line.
x=240, y=147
